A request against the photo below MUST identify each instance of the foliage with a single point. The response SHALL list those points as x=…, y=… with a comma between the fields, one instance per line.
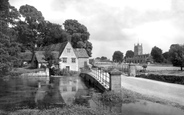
x=117, y=56
x=144, y=67
x=82, y=101
x=111, y=98
x=165, y=78
x=176, y=53
x=28, y=29
x=103, y=58
x=52, y=33
x=129, y=54
x=29, y=33
x=157, y=54
x=79, y=35
x=166, y=57
x=49, y=57
x=9, y=48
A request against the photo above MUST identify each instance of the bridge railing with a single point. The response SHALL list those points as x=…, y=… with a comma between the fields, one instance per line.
x=102, y=76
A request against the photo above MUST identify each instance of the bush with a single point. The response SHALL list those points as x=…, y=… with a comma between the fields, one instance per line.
x=164, y=78
x=111, y=98
x=82, y=101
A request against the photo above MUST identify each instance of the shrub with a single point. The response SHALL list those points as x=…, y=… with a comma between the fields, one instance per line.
x=81, y=101
x=111, y=98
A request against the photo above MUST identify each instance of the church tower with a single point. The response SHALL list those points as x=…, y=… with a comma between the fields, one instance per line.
x=138, y=49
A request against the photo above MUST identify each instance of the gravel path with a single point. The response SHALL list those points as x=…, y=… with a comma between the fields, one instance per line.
x=167, y=91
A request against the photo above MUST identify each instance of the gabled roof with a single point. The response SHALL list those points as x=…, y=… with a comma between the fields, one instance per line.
x=40, y=56
x=81, y=53
x=56, y=47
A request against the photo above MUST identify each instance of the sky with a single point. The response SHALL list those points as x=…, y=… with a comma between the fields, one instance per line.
x=116, y=25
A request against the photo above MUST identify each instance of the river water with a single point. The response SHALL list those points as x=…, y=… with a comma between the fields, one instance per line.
x=66, y=89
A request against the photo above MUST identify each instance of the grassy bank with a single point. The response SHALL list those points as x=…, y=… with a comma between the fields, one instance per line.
x=138, y=96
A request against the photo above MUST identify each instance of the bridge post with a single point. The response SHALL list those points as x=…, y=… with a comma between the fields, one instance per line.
x=115, y=80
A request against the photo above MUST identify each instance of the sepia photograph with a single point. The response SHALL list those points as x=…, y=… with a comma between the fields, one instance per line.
x=91, y=57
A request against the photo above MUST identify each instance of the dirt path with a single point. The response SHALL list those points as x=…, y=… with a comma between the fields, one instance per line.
x=168, y=91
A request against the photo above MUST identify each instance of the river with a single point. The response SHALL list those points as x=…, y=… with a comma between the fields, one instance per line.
x=64, y=90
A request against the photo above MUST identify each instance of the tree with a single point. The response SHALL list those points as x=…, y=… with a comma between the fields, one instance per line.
x=117, y=56
x=103, y=58
x=176, y=53
x=129, y=54
x=157, y=54
x=9, y=49
x=28, y=30
x=79, y=35
x=144, y=66
x=50, y=58
x=52, y=33
x=166, y=57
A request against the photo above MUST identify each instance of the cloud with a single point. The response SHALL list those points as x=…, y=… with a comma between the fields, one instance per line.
x=118, y=24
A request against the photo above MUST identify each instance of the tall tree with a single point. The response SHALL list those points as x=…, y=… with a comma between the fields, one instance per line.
x=117, y=56
x=28, y=30
x=176, y=53
x=157, y=54
x=129, y=54
x=166, y=57
x=52, y=33
x=79, y=35
x=8, y=47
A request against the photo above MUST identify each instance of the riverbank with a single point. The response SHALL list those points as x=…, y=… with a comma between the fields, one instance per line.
x=137, y=96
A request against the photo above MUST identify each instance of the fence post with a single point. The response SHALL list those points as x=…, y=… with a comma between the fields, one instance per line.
x=132, y=70
x=115, y=80
x=47, y=75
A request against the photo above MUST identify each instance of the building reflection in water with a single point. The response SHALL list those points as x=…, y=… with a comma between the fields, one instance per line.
x=69, y=86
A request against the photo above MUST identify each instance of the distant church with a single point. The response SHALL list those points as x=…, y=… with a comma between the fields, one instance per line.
x=139, y=57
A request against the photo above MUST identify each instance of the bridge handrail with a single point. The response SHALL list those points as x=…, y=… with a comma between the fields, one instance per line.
x=102, y=76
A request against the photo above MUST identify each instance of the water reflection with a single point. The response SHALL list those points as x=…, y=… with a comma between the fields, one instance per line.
x=16, y=92
x=70, y=88
x=22, y=93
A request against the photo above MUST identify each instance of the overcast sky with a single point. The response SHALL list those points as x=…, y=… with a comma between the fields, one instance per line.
x=119, y=24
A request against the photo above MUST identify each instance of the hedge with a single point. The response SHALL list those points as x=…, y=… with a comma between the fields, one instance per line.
x=165, y=78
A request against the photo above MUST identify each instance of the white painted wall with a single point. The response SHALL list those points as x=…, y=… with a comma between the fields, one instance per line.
x=81, y=62
x=69, y=56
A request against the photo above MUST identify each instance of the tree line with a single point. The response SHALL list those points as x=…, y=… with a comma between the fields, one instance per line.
x=27, y=29
x=174, y=56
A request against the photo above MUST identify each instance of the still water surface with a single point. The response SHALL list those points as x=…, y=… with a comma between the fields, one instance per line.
x=68, y=89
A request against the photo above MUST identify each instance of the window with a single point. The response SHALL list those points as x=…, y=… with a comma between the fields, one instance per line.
x=73, y=60
x=74, y=88
x=64, y=60
x=68, y=50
